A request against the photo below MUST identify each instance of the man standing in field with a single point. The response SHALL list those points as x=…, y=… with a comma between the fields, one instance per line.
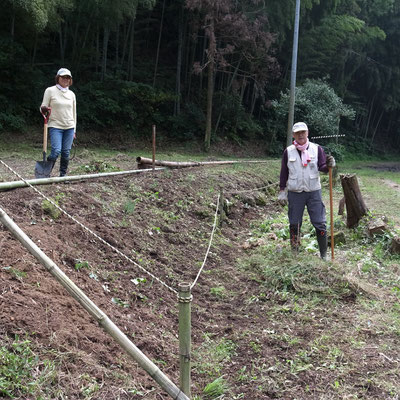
x=300, y=185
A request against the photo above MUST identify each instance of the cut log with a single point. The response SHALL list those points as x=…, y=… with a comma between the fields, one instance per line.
x=143, y=162
x=355, y=205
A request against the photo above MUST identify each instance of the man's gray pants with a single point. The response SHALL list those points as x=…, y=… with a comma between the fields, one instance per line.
x=315, y=207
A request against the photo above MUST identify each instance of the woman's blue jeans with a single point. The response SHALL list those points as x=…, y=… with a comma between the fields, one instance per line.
x=61, y=143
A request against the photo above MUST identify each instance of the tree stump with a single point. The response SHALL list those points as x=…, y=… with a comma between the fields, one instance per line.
x=355, y=205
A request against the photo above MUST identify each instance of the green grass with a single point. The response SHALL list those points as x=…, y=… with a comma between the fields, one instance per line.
x=211, y=357
x=17, y=364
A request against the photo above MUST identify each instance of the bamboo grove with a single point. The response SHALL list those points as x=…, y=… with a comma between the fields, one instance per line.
x=203, y=69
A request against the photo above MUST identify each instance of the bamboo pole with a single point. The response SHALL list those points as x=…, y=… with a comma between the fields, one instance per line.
x=185, y=299
x=103, y=320
x=70, y=178
x=143, y=161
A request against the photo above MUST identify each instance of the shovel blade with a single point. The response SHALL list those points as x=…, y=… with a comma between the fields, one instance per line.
x=43, y=169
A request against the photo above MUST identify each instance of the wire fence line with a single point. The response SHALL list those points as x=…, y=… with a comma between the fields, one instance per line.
x=254, y=189
x=209, y=244
x=124, y=255
x=90, y=231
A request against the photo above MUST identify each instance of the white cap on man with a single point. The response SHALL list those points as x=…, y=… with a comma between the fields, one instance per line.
x=64, y=72
x=299, y=126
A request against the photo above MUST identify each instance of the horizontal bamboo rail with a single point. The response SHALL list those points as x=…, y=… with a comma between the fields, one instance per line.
x=143, y=162
x=70, y=178
x=103, y=320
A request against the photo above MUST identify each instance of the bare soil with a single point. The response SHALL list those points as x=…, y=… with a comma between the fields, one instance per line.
x=163, y=221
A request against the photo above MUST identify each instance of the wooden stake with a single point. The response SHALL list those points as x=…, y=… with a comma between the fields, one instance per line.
x=331, y=212
x=185, y=299
x=103, y=320
x=154, y=147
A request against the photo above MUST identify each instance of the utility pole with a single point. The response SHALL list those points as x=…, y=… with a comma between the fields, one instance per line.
x=293, y=74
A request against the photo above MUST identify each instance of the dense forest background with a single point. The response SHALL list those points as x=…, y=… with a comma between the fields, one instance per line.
x=204, y=70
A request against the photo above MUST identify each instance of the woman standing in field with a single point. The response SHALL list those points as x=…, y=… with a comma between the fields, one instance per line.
x=60, y=103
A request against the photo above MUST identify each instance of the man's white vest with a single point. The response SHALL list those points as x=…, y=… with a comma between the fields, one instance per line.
x=303, y=179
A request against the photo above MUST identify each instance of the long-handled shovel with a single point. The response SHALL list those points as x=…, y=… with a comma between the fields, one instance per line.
x=331, y=212
x=43, y=168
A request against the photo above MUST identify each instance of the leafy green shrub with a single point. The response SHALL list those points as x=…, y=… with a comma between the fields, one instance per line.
x=317, y=104
x=50, y=208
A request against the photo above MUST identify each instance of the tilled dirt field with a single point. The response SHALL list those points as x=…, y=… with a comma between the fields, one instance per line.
x=163, y=221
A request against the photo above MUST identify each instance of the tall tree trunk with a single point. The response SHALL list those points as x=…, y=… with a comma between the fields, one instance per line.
x=77, y=65
x=117, y=48
x=227, y=89
x=369, y=116
x=376, y=127
x=97, y=48
x=253, y=98
x=177, y=106
x=203, y=52
x=158, y=44
x=210, y=85
x=12, y=27
x=34, y=50
x=62, y=49
x=130, y=53
x=106, y=36
x=243, y=88
x=75, y=45
x=126, y=41
x=191, y=52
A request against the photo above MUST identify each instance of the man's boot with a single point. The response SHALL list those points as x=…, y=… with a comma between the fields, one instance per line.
x=63, y=166
x=294, y=237
x=322, y=243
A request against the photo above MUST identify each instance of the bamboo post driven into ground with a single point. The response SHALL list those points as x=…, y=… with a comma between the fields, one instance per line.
x=331, y=212
x=185, y=344
x=103, y=320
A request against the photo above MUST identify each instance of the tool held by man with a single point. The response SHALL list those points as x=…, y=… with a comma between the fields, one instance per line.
x=331, y=212
x=43, y=168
